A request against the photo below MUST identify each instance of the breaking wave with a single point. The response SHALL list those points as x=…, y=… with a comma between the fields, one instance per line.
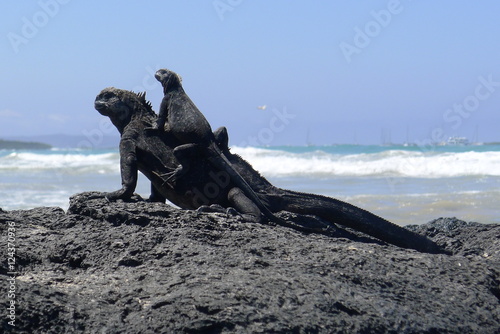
x=393, y=163
x=284, y=163
x=69, y=162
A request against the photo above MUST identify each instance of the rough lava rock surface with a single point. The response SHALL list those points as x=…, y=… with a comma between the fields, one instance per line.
x=139, y=267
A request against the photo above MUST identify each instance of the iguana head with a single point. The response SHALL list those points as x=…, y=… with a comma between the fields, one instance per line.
x=121, y=105
x=168, y=79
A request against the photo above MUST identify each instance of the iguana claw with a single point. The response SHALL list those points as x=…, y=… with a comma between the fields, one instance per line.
x=172, y=177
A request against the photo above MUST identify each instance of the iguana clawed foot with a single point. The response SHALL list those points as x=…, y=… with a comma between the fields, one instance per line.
x=230, y=211
x=119, y=194
x=122, y=195
x=172, y=177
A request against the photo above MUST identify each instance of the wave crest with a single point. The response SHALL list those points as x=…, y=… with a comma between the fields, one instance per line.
x=391, y=163
x=69, y=162
x=281, y=163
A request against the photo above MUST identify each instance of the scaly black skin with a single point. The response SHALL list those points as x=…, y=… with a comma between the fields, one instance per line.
x=153, y=156
x=152, y=153
x=180, y=117
x=327, y=208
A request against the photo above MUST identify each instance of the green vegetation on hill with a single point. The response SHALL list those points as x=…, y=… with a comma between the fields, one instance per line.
x=20, y=145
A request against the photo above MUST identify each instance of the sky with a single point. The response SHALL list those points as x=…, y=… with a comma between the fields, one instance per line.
x=361, y=72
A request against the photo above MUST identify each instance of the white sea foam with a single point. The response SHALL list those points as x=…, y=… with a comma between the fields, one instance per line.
x=392, y=163
x=74, y=162
x=402, y=185
x=276, y=163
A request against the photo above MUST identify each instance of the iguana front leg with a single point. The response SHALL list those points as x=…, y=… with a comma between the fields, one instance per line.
x=162, y=116
x=156, y=196
x=128, y=169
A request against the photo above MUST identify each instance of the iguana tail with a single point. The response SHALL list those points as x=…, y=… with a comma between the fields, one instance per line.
x=348, y=215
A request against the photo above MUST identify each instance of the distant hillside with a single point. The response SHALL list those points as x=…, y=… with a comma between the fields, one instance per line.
x=74, y=141
x=21, y=145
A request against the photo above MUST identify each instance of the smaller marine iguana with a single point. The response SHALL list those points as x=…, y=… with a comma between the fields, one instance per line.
x=180, y=117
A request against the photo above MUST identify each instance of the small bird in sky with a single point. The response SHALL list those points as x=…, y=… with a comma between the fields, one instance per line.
x=262, y=107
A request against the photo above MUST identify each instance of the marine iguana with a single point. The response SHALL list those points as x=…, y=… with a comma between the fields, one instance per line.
x=153, y=156
x=180, y=117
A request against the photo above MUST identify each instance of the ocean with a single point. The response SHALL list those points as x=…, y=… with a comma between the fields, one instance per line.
x=404, y=184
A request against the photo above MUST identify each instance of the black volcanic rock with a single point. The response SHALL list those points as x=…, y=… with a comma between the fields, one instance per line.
x=139, y=267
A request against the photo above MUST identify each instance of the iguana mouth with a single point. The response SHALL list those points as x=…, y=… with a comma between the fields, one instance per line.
x=101, y=107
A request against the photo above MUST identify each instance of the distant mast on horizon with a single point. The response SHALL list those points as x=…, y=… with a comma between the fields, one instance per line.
x=385, y=136
x=308, y=141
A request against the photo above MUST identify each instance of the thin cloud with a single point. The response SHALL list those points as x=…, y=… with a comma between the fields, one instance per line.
x=58, y=118
x=9, y=113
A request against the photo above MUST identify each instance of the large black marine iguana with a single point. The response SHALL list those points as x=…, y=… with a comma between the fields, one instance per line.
x=153, y=153
x=153, y=156
x=180, y=118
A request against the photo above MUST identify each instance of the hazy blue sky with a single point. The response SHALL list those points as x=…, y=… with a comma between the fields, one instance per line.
x=328, y=71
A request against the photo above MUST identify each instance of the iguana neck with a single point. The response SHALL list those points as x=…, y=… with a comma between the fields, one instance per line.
x=119, y=124
x=172, y=88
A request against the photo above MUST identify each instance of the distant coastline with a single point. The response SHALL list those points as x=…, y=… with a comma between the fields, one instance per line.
x=64, y=141
x=20, y=145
